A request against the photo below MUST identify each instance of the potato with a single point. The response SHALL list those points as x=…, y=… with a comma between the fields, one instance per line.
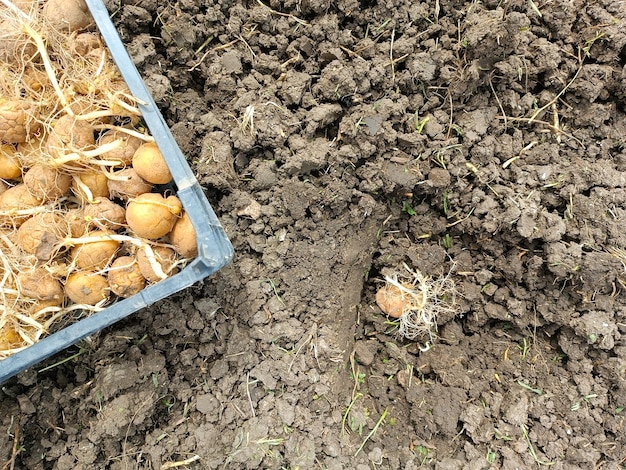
x=18, y=121
x=86, y=287
x=150, y=164
x=125, y=278
x=67, y=15
x=10, y=167
x=38, y=284
x=391, y=300
x=151, y=215
x=84, y=43
x=164, y=256
x=47, y=183
x=27, y=6
x=15, y=46
x=183, y=237
x=69, y=135
x=31, y=152
x=40, y=235
x=34, y=79
x=13, y=199
x=96, y=182
x=124, y=153
x=3, y=187
x=76, y=223
x=127, y=184
x=9, y=338
x=104, y=214
x=97, y=254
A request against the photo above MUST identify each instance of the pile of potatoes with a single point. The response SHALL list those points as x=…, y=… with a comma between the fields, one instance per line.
x=88, y=210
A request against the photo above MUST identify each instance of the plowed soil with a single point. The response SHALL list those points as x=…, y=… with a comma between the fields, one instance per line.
x=339, y=142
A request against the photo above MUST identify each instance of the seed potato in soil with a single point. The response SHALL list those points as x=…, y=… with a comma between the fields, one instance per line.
x=478, y=142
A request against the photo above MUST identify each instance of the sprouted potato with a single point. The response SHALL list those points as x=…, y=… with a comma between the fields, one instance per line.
x=183, y=237
x=417, y=301
x=152, y=216
x=125, y=278
x=79, y=226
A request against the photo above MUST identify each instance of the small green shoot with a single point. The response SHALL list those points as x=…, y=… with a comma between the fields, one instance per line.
x=491, y=457
x=380, y=421
x=590, y=42
x=63, y=361
x=420, y=124
x=99, y=401
x=407, y=208
x=446, y=241
x=504, y=437
x=422, y=453
x=576, y=405
x=524, y=348
x=345, y=415
x=538, y=391
x=276, y=291
x=269, y=441
x=168, y=402
x=356, y=426
x=360, y=377
x=531, y=449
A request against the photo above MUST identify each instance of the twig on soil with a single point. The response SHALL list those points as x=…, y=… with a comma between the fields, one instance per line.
x=309, y=338
x=248, y=393
x=225, y=46
x=555, y=122
x=180, y=463
x=393, y=68
x=392, y=61
x=458, y=221
x=544, y=123
x=355, y=374
x=10, y=464
x=373, y=431
x=279, y=13
x=493, y=90
x=535, y=8
x=506, y=164
x=451, y=115
x=559, y=94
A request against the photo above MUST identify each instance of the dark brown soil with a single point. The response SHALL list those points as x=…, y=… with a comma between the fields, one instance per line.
x=378, y=139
